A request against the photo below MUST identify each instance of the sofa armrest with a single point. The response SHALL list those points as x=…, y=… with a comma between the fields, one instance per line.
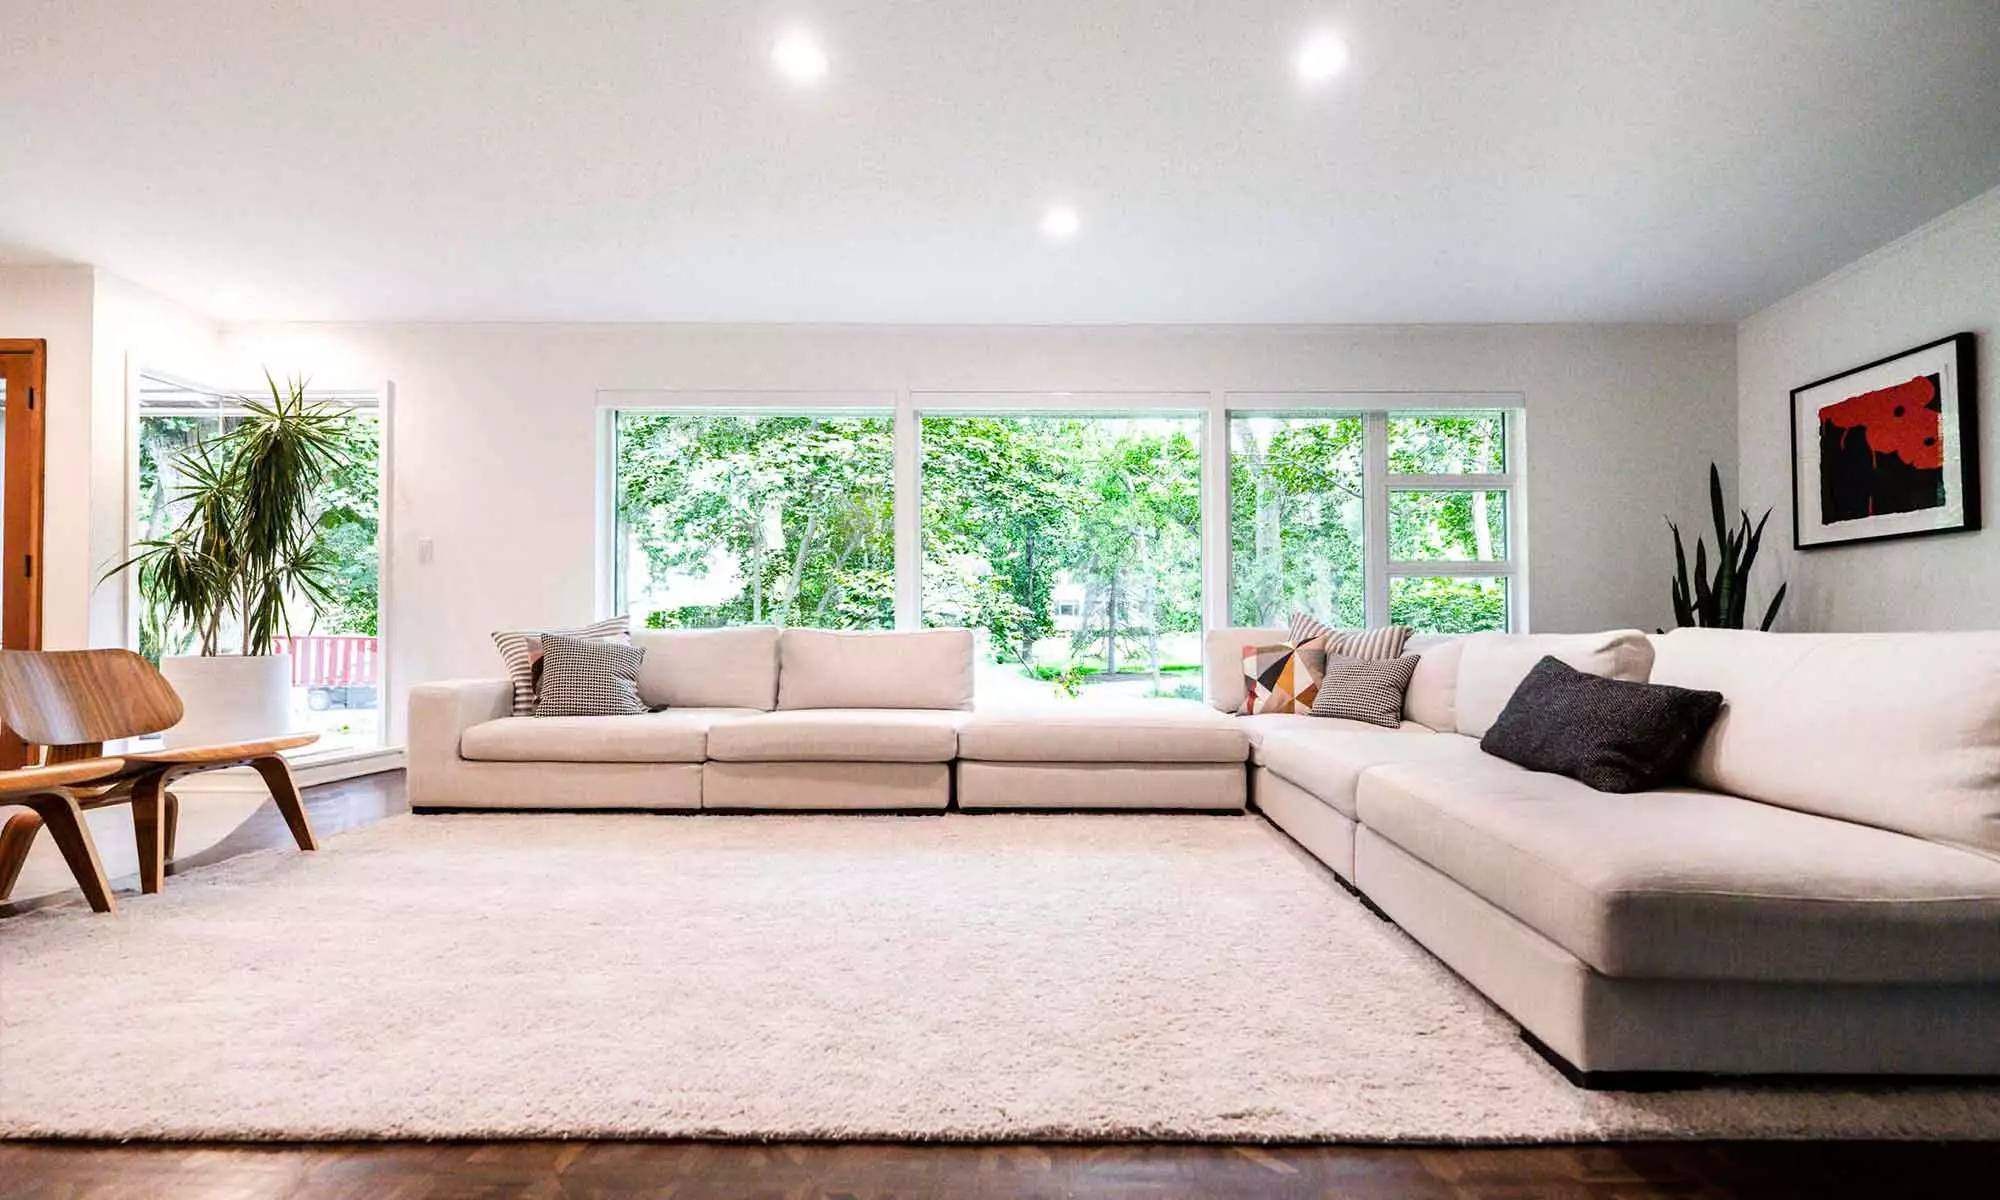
x=440, y=713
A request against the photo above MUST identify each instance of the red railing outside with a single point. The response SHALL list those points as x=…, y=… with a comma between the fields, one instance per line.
x=331, y=660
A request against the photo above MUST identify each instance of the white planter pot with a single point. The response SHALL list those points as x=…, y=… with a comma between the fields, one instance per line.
x=230, y=698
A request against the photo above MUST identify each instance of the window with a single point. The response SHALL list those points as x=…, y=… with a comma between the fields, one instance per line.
x=336, y=658
x=755, y=517
x=1087, y=539
x=1296, y=534
x=1072, y=542
x=1361, y=518
x=1450, y=493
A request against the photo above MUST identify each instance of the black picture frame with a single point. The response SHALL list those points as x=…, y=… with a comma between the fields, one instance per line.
x=1959, y=427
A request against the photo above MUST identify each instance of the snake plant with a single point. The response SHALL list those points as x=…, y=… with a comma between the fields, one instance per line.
x=1720, y=602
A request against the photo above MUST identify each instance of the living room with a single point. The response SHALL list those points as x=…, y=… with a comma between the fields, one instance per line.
x=1054, y=600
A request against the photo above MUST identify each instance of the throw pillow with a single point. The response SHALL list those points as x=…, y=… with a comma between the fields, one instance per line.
x=1384, y=642
x=586, y=677
x=1282, y=678
x=522, y=652
x=1614, y=735
x=1365, y=689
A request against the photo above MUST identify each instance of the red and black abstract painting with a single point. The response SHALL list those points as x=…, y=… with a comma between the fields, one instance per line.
x=1887, y=450
x=1882, y=452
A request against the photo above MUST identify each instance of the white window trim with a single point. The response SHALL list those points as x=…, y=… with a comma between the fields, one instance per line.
x=1214, y=407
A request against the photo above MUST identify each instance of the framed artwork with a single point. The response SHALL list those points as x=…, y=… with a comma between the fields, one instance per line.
x=1887, y=450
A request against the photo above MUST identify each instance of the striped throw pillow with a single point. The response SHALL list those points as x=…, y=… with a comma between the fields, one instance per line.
x=1365, y=689
x=1384, y=642
x=522, y=652
x=588, y=677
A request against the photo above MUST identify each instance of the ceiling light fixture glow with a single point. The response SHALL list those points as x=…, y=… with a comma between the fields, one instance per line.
x=799, y=58
x=1322, y=57
x=1061, y=222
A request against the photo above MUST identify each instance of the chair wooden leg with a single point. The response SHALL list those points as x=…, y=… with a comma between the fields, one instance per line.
x=65, y=824
x=15, y=840
x=149, y=825
x=173, y=825
x=277, y=775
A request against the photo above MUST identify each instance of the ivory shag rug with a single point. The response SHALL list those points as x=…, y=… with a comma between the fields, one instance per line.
x=962, y=977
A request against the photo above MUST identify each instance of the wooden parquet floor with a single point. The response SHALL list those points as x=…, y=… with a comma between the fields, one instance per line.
x=875, y=1171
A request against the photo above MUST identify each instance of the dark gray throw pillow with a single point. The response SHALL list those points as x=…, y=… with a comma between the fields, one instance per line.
x=588, y=677
x=1613, y=735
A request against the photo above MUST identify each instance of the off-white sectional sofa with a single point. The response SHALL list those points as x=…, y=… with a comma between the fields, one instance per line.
x=1823, y=897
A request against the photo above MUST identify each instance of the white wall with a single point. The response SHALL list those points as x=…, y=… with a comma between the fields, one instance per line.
x=495, y=434
x=1942, y=279
x=55, y=304
x=132, y=328
x=95, y=325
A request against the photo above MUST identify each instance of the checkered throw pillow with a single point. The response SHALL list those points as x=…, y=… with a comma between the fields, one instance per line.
x=522, y=652
x=585, y=677
x=1365, y=689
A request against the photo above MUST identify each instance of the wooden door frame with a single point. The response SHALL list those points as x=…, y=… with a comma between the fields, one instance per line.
x=25, y=361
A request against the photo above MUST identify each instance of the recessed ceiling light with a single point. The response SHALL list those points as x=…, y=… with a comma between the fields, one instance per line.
x=1061, y=222
x=1321, y=58
x=799, y=58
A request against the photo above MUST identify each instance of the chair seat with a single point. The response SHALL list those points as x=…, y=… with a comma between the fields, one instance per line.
x=29, y=780
x=191, y=756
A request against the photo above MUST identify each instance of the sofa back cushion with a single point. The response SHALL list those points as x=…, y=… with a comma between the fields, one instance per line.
x=1492, y=665
x=819, y=668
x=709, y=668
x=1896, y=730
x=1223, y=662
x=1433, y=696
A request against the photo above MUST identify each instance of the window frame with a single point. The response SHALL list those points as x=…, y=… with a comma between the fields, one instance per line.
x=1215, y=407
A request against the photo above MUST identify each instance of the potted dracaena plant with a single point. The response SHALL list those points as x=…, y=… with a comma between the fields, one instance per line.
x=248, y=549
x=1720, y=601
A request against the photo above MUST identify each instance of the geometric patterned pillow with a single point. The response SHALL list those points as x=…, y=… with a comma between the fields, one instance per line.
x=1365, y=689
x=522, y=652
x=1282, y=678
x=589, y=677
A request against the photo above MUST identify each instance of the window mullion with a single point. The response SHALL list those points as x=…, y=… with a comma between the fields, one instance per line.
x=907, y=456
x=1375, y=518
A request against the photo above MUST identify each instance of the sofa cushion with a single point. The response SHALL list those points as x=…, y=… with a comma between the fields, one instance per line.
x=1433, y=696
x=677, y=736
x=838, y=735
x=1897, y=730
x=1262, y=725
x=735, y=667
x=1687, y=884
x=1222, y=662
x=819, y=668
x=1328, y=762
x=1158, y=731
x=1492, y=665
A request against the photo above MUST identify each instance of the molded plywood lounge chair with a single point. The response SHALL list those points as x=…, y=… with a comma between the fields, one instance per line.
x=44, y=791
x=73, y=701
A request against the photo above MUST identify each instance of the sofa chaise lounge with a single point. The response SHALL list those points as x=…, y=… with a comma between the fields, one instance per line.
x=1821, y=896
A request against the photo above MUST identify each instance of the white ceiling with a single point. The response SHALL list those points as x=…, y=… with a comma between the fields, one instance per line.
x=1480, y=160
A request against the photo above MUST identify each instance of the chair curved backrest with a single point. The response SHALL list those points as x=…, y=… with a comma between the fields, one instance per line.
x=77, y=697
